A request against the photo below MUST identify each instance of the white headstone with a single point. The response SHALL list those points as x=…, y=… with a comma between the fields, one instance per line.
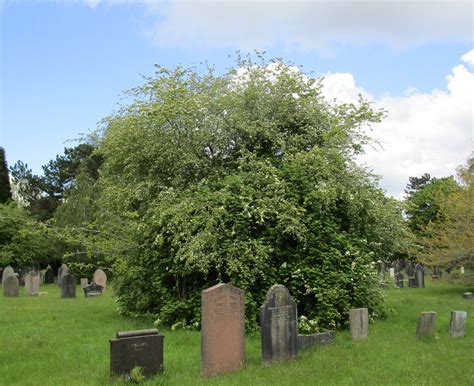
x=462, y=269
x=392, y=272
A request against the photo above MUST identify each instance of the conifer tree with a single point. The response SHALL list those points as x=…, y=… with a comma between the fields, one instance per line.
x=5, y=190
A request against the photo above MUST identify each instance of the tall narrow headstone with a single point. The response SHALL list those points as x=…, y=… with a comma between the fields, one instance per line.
x=11, y=286
x=399, y=280
x=426, y=324
x=457, y=326
x=100, y=278
x=392, y=272
x=278, y=323
x=222, y=329
x=462, y=270
x=68, y=286
x=49, y=277
x=7, y=272
x=419, y=276
x=32, y=283
x=63, y=270
x=359, y=323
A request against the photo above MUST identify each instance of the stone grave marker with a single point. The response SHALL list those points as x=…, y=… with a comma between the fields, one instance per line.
x=143, y=348
x=7, y=272
x=11, y=286
x=392, y=272
x=468, y=295
x=399, y=279
x=68, y=286
x=419, y=276
x=222, y=329
x=426, y=324
x=49, y=277
x=63, y=270
x=279, y=327
x=84, y=282
x=457, y=326
x=462, y=270
x=100, y=278
x=93, y=290
x=32, y=283
x=319, y=339
x=359, y=323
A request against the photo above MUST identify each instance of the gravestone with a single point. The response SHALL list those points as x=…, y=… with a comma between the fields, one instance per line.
x=84, y=282
x=68, y=286
x=359, y=323
x=7, y=272
x=457, y=326
x=437, y=271
x=399, y=280
x=49, y=277
x=32, y=283
x=409, y=269
x=381, y=269
x=278, y=323
x=100, y=278
x=143, y=348
x=426, y=324
x=11, y=286
x=462, y=270
x=468, y=295
x=419, y=276
x=222, y=329
x=93, y=290
x=63, y=270
x=319, y=339
x=392, y=272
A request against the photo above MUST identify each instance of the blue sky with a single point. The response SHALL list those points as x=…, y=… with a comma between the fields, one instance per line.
x=64, y=65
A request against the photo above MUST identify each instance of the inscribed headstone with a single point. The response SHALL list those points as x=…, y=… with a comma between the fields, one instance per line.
x=457, y=326
x=278, y=323
x=68, y=286
x=222, y=329
x=100, y=278
x=32, y=283
x=11, y=286
x=7, y=272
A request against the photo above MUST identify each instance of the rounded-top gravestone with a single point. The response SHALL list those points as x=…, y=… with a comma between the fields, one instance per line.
x=32, y=283
x=68, y=286
x=279, y=328
x=100, y=278
x=63, y=270
x=6, y=272
x=49, y=277
x=11, y=286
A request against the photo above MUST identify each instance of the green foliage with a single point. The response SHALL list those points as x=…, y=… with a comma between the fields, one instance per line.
x=5, y=189
x=246, y=178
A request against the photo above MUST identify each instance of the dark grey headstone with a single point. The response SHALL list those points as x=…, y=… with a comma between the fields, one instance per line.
x=49, y=277
x=399, y=280
x=320, y=339
x=468, y=295
x=11, y=286
x=136, y=348
x=68, y=286
x=93, y=290
x=279, y=328
x=410, y=269
x=419, y=276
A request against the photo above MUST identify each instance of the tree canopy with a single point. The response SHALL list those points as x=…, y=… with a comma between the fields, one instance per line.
x=248, y=178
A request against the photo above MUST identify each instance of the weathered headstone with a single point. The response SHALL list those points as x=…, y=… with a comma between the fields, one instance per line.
x=63, y=270
x=222, y=329
x=49, y=277
x=419, y=276
x=68, y=286
x=7, y=272
x=32, y=283
x=392, y=272
x=100, y=278
x=278, y=323
x=399, y=280
x=84, y=282
x=359, y=323
x=468, y=295
x=93, y=290
x=457, y=325
x=143, y=348
x=426, y=324
x=409, y=269
x=320, y=339
x=462, y=270
x=11, y=286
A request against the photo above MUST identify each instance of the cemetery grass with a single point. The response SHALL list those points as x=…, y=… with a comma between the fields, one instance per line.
x=53, y=341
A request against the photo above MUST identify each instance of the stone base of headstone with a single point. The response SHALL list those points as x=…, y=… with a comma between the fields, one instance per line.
x=435, y=277
x=426, y=324
x=320, y=339
x=359, y=323
x=132, y=349
x=42, y=294
x=468, y=295
x=457, y=325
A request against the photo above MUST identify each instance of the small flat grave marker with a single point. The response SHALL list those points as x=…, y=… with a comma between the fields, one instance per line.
x=468, y=295
x=222, y=329
x=279, y=328
x=142, y=348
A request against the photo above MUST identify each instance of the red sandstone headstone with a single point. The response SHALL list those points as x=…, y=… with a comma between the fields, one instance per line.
x=222, y=329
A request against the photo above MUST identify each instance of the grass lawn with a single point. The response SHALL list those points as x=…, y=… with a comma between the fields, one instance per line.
x=53, y=341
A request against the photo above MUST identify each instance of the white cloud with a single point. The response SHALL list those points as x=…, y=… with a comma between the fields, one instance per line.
x=425, y=132
x=306, y=24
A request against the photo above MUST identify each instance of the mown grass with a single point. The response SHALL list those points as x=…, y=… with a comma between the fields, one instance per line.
x=53, y=341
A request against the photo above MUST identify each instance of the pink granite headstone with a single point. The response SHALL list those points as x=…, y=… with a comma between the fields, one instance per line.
x=222, y=329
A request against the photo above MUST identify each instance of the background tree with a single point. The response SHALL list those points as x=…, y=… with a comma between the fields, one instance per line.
x=5, y=189
x=247, y=178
